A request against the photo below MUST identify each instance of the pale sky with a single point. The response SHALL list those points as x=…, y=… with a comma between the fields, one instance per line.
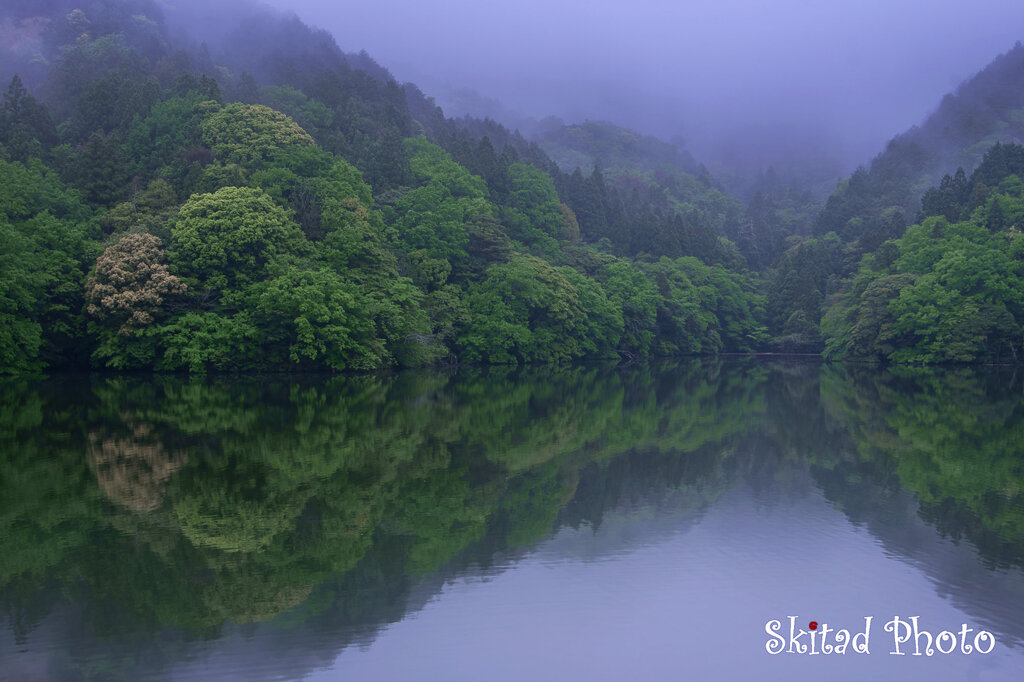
x=727, y=76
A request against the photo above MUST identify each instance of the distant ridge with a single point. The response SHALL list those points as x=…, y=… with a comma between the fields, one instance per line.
x=985, y=109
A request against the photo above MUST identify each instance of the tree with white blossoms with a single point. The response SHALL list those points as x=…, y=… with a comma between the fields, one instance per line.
x=125, y=294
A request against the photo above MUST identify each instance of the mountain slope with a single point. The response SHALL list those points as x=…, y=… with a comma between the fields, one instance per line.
x=876, y=204
x=180, y=205
x=986, y=109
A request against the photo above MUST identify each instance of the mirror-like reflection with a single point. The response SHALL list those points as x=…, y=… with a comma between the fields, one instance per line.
x=258, y=528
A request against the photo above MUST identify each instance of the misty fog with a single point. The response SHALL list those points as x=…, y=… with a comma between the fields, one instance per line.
x=739, y=82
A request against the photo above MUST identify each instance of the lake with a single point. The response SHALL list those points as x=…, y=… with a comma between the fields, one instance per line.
x=652, y=521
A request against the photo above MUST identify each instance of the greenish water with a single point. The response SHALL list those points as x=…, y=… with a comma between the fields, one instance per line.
x=641, y=522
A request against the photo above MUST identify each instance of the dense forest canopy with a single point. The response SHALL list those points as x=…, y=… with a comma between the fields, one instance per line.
x=268, y=201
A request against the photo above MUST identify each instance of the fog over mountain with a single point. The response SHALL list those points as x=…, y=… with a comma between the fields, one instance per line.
x=741, y=83
x=146, y=117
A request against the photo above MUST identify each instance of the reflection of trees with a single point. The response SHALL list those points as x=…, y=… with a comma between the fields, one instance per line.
x=49, y=502
x=133, y=470
x=318, y=503
x=954, y=438
x=246, y=501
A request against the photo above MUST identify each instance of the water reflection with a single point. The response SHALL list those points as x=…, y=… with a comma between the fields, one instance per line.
x=148, y=523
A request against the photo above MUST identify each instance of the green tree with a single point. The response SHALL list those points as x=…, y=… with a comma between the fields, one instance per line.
x=228, y=238
x=525, y=311
x=251, y=135
x=26, y=129
x=533, y=196
x=317, y=318
x=48, y=246
x=22, y=286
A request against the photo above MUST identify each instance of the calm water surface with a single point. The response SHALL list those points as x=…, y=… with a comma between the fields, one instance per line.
x=597, y=523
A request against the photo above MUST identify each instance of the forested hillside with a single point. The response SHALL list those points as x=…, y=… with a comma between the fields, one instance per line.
x=927, y=171
x=986, y=109
x=269, y=201
x=952, y=287
x=228, y=208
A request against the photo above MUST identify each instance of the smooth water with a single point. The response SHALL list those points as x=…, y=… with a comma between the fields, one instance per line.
x=598, y=523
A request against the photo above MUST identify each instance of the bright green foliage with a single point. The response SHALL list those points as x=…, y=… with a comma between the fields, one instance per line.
x=950, y=289
x=943, y=293
x=966, y=305
x=867, y=331
x=397, y=307
x=287, y=261
x=27, y=190
x=525, y=311
x=251, y=134
x=433, y=217
x=326, y=200
x=316, y=318
x=433, y=220
x=427, y=272
x=527, y=238
x=289, y=165
x=684, y=326
x=355, y=241
x=202, y=341
x=533, y=196
x=446, y=309
x=705, y=309
x=216, y=176
x=346, y=182
x=132, y=349
x=228, y=238
x=637, y=298
x=732, y=298
x=430, y=163
x=420, y=242
x=603, y=317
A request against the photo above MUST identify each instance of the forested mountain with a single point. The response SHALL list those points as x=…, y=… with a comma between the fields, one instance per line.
x=986, y=109
x=952, y=287
x=650, y=173
x=581, y=145
x=253, y=197
x=220, y=207
x=924, y=172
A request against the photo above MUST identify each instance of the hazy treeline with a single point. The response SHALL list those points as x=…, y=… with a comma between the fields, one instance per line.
x=165, y=212
x=269, y=201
